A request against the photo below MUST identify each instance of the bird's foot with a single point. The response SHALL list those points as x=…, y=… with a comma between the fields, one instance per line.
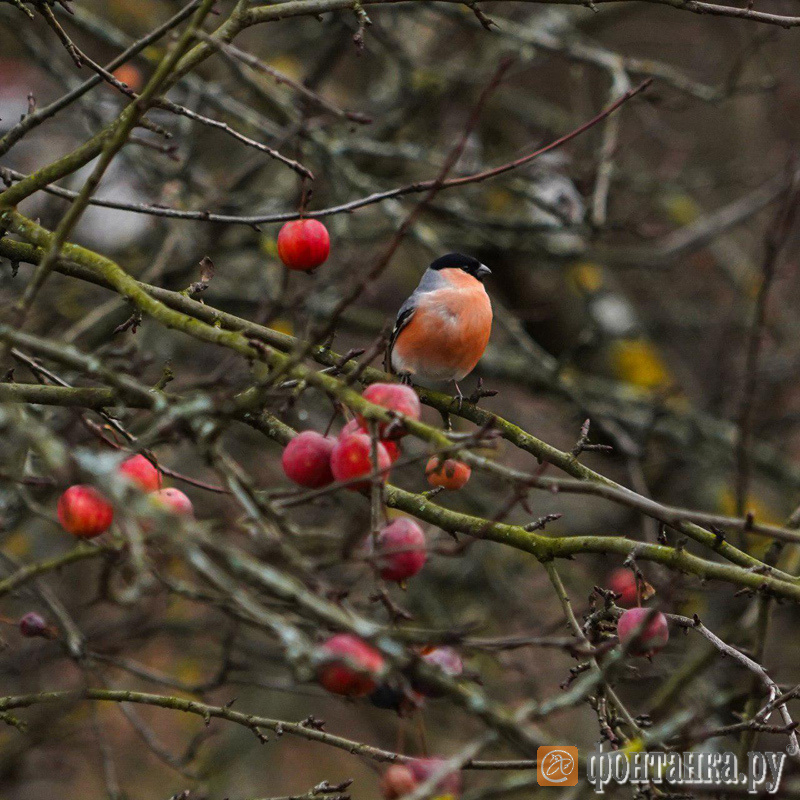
x=459, y=397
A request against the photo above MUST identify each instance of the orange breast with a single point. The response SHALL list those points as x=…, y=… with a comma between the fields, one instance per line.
x=446, y=336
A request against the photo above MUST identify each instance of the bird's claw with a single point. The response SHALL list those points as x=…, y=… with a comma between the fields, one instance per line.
x=459, y=398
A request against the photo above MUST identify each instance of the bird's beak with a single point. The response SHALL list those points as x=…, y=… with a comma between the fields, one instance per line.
x=483, y=272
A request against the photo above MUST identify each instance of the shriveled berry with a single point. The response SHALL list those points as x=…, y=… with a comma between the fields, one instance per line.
x=352, y=458
x=306, y=459
x=141, y=473
x=653, y=637
x=33, y=624
x=354, y=675
x=397, y=397
x=400, y=551
x=448, y=473
x=84, y=512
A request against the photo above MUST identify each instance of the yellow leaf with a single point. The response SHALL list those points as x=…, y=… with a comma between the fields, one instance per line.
x=586, y=277
x=283, y=326
x=637, y=361
x=682, y=209
x=17, y=545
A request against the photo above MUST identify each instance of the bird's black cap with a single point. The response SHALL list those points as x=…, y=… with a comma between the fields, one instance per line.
x=469, y=264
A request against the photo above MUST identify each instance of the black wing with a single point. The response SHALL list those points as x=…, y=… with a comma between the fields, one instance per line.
x=403, y=318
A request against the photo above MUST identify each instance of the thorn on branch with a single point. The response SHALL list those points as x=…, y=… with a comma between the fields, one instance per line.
x=21, y=6
x=582, y=445
x=540, y=523
x=487, y=22
x=480, y=393
x=166, y=376
x=326, y=787
x=363, y=22
x=396, y=612
x=354, y=352
x=13, y=721
x=133, y=322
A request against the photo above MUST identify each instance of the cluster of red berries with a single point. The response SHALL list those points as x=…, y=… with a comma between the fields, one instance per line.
x=354, y=668
x=643, y=631
x=313, y=461
x=85, y=513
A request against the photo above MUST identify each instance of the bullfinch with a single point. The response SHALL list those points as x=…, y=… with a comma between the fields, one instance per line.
x=443, y=328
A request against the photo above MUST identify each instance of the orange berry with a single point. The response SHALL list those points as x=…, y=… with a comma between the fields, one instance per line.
x=450, y=474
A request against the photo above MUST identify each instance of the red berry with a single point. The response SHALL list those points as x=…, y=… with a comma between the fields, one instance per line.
x=398, y=781
x=653, y=637
x=84, y=512
x=354, y=676
x=394, y=396
x=354, y=426
x=352, y=457
x=623, y=582
x=400, y=550
x=303, y=244
x=393, y=449
x=307, y=459
x=450, y=474
x=424, y=768
x=141, y=473
x=32, y=624
x=174, y=501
